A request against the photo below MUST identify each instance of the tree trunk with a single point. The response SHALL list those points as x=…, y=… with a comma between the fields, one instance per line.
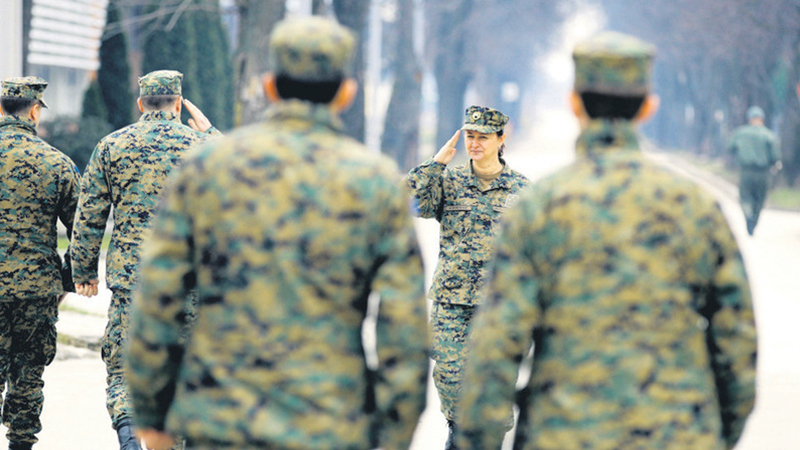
x=353, y=14
x=257, y=18
x=401, y=129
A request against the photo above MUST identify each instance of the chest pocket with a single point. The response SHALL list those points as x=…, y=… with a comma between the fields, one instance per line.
x=456, y=218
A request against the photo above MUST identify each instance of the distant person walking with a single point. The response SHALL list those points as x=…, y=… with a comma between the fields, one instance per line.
x=626, y=281
x=127, y=171
x=288, y=230
x=469, y=202
x=756, y=150
x=38, y=187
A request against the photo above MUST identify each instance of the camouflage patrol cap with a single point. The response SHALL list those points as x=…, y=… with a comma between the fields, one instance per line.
x=755, y=112
x=30, y=88
x=161, y=82
x=484, y=120
x=311, y=49
x=613, y=63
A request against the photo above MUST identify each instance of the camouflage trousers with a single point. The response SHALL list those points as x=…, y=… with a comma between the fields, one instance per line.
x=114, y=339
x=753, y=187
x=450, y=331
x=112, y=351
x=27, y=345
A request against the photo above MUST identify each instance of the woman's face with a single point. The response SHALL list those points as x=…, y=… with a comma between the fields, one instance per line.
x=483, y=146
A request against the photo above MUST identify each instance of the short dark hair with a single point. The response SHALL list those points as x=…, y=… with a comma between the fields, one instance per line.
x=322, y=92
x=14, y=105
x=158, y=102
x=608, y=106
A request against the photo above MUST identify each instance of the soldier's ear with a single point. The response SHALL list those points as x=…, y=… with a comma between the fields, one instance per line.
x=345, y=95
x=35, y=112
x=576, y=104
x=270, y=88
x=648, y=109
x=139, y=103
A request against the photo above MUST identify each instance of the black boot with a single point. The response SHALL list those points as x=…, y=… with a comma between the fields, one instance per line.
x=20, y=445
x=127, y=435
x=451, y=442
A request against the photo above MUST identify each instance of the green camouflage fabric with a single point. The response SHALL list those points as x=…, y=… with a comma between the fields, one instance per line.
x=27, y=345
x=755, y=149
x=484, y=120
x=468, y=220
x=161, y=82
x=30, y=88
x=613, y=63
x=127, y=170
x=450, y=325
x=629, y=284
x=112, y=352
x=285, y=229
x=311, y=49
x=38, y=186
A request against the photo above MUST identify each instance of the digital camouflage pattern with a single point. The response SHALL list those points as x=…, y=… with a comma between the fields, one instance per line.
x=484, y=120
x=27, y=345
x=613, y=63
x=468, y=219
x=38, y=186
x=630, y=284
x=28, y=88
x=127, y=170
x=755, y=149
x=285, y=229
x=161, y=82
x=450, y=325
x=311, y=49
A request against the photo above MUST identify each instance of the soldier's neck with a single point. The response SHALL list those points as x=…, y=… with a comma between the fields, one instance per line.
x=488, y=168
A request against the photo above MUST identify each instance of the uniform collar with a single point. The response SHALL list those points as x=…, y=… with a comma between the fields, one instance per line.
x=502, y=180
x=306, y=111
x=159, y=115
x=20, y=123
x=600, y=136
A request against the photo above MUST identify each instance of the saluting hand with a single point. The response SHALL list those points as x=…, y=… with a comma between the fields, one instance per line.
x=199, y=121
x=448, y=151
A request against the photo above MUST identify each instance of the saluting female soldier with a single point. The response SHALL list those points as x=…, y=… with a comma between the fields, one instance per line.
x=468, y=201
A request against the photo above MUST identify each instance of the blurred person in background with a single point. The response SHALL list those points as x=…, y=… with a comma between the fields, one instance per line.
x=757, y=152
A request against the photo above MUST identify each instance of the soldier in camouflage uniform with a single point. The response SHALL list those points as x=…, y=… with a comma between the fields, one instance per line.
x=286, y=229
x=757, y=152
x=38, y=186
x=628, y=283
x=128, y=170
x=468, y=201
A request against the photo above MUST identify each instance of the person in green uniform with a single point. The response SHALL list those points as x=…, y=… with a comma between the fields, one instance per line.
x=288, y=230
x=468, y=201
x=128, y=171
x=38, y=188
x=627, y=283
x=756, y=150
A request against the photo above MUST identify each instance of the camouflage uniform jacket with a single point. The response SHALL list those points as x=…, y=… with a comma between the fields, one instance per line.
x=629, y=282
x=754, y=147
x=127, y=171
x=285, y=228
x=468, y=219
x=38, y=186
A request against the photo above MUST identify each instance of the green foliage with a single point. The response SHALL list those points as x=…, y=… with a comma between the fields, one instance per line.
x=114, y=74
x=172, y=46
x=76, y=137
x=93, y=105
x=215, y=79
